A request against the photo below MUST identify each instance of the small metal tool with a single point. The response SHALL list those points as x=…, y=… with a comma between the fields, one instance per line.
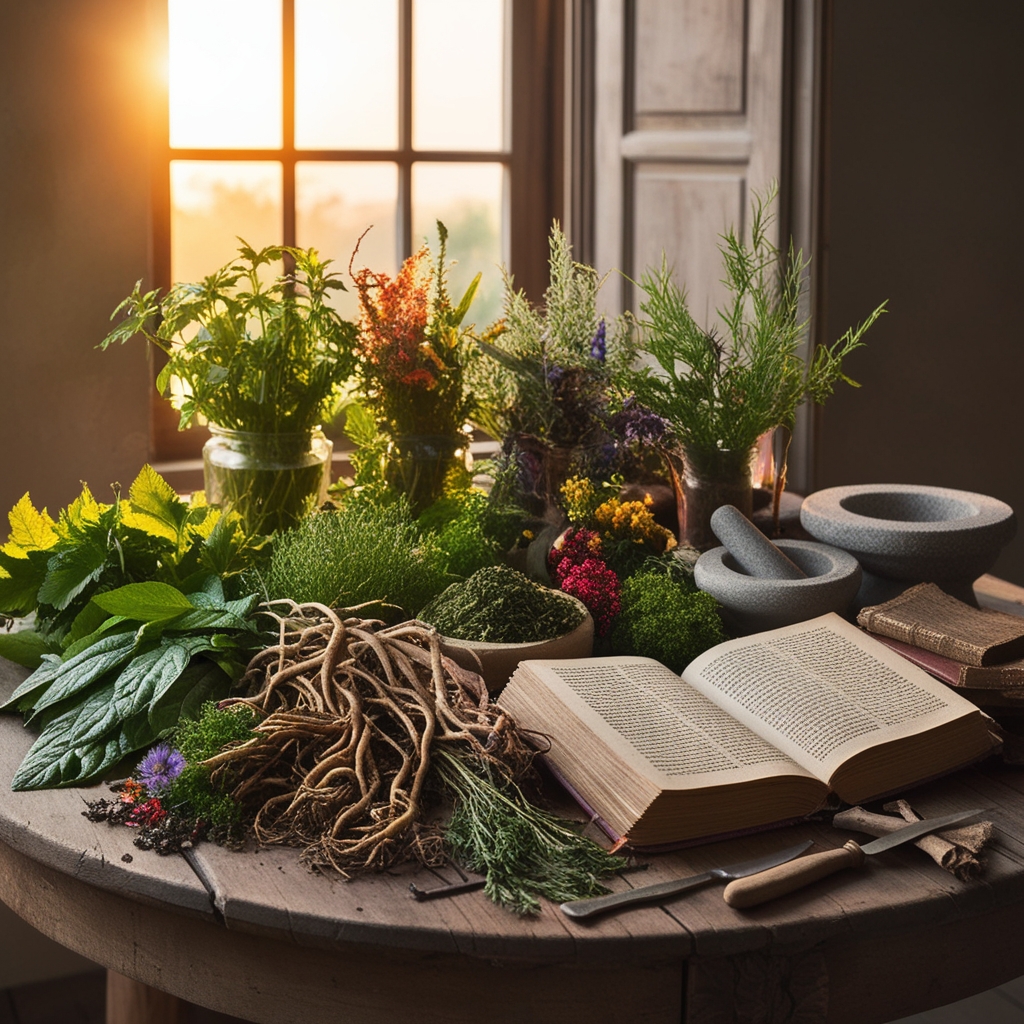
x=580, y=909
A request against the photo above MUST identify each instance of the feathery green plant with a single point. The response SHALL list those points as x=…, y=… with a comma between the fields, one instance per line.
x=723, y=394
x=516, y=381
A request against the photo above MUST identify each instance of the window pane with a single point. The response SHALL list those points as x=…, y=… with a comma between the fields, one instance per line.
x=458, y=74
x=224, y=72
x=346, y=74
x=211, y=203
x=335, y=204
x=469, y=199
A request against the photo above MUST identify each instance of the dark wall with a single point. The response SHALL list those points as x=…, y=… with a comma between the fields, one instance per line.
x=926, y=177
x=74, y=237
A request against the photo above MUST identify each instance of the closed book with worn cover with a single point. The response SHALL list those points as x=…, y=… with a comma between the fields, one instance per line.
x=927, y=617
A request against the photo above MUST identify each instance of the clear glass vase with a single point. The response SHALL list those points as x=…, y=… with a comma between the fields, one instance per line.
x=271, y=480
x=711, y=478
x=418, y=465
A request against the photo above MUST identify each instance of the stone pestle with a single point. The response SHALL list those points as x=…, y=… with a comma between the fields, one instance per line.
x=752, y=551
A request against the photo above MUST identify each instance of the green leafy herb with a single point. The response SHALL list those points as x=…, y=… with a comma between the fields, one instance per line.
x=524, y=851
x=128, y=682
x=55, y=568
x=265, y=359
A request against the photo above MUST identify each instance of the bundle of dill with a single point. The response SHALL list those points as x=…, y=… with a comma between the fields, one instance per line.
x=523, y=850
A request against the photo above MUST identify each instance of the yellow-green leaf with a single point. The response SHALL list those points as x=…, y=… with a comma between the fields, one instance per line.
x=31, y=530
x=154, y=506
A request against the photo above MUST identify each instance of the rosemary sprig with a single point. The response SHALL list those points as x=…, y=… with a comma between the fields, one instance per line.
x=524, y=851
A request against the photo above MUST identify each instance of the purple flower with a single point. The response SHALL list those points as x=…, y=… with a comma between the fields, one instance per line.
x=636, y=424
x=598, y=345
x=555, y=376
x=160, y=767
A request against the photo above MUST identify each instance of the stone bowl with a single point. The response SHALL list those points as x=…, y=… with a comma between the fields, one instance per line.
x=751, y=604
x=910, y=533
x=497, y=662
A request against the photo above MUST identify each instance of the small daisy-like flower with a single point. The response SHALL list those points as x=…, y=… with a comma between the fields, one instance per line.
x=160, y=767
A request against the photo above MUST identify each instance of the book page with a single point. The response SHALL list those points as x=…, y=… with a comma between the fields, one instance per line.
x=655, y=720
x=822, y=691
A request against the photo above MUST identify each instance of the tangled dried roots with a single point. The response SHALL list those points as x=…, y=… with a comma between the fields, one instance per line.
x=352, y=710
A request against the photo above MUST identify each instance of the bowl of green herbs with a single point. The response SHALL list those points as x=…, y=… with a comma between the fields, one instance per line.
x=498, y=617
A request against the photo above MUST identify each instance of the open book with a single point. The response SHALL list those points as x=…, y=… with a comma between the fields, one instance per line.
x=758, y=730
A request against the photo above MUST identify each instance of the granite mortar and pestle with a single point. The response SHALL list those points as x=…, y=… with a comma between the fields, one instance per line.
x=762, y=585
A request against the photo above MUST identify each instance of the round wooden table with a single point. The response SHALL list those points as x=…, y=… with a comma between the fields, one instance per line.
x=255, y=935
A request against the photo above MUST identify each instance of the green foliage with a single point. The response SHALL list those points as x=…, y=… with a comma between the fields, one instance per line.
x=513, y=383
x=361, y=552
x=56, y=568
x=498, y=604
x=152, y=655
x=723, y=394
x=199, y=739
x=265, y=359
x=665, y=619
x=524, y=851
x=472, y=529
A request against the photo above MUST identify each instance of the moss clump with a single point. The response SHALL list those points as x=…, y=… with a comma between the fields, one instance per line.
x=198, y=740
x=499, y=605
x=665, y=619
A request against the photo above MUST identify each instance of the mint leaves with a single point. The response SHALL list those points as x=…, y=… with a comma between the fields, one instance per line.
x=156, y=654
x=133, y=627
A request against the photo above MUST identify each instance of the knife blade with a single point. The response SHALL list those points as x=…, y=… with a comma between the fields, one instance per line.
x=777, y=881
x=580, y=909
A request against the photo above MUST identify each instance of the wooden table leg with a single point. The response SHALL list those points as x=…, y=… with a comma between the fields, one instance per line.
x=131, y=1002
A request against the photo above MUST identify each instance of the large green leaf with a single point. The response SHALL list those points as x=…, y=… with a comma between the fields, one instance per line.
x=202, y=681
x=110, y=624
x=80, y=672
x=55, y=759
x=70, y=571
x=30, y=528
x=145, y=602
x=24, y=647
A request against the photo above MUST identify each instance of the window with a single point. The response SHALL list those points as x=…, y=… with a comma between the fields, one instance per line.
x=307, y=121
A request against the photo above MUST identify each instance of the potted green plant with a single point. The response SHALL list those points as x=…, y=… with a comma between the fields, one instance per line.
x=262, y=364
x=720, y=394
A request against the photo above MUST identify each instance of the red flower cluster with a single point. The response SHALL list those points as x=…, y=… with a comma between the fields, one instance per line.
x=597, y=587
x=147, y=814
x=577, y=565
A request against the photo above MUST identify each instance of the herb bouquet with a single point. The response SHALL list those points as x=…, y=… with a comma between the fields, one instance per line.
x=720, y=395
x=545, y=378
x=264, y=365
x=413, y=350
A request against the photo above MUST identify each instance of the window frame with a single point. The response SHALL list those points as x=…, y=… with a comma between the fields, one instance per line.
x=532, y=158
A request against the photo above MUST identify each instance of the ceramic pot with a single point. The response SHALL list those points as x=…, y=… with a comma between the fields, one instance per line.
x=497, y=662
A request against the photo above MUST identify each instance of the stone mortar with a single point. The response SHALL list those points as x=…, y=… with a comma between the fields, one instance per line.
x=752, y=604
x=904, y=534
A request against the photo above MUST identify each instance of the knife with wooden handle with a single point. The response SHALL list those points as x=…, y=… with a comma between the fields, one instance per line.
x=777, y=881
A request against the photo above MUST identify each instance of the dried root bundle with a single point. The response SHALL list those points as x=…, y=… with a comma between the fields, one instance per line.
x=352, y=710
